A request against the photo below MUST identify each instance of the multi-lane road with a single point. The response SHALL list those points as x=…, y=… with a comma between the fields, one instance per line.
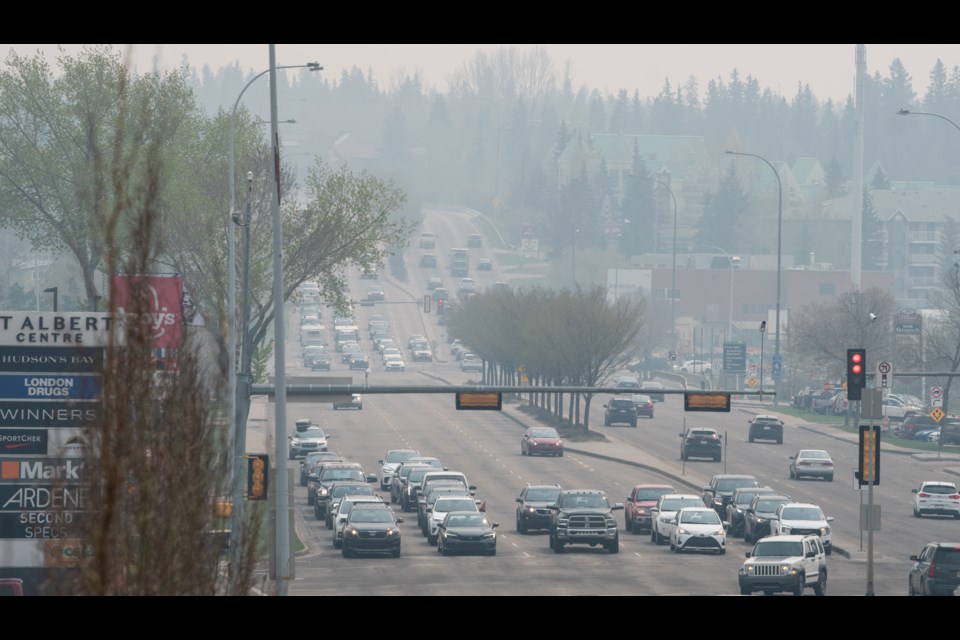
x=486, y=446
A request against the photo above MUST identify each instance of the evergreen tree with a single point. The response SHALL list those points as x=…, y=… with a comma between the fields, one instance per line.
x=880, y=179
x=722, y=213
x=949, y=242
x=639, y=207
x=834, y=178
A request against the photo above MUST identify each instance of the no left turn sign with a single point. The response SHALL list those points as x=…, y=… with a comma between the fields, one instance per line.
x=883, y=366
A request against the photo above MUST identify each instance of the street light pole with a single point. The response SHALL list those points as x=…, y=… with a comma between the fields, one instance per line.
x=776, y=351
x=730, y=261
x=234, y=421
x=52, y=290
x=906, y=112
x=673, y=275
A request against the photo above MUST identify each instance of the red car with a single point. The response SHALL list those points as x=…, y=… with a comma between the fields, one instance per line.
x=636, y=510
x=541, y=441
x=644, y=405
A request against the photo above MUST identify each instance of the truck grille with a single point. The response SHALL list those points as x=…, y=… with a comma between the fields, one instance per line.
x=591, y=521
x=766, y=570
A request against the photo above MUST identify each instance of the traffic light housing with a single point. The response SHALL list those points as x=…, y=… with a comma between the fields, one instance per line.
x=856, y=373
x=426, y=303
x=258, y=471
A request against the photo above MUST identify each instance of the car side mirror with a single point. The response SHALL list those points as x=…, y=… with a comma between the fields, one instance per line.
x=519, y=500
x=915, y=558
x=494, y=525
x=811, y=554
x=379, y=461
x=746, y=555
x=914, y=491
x=829, y=518
x=399, y=520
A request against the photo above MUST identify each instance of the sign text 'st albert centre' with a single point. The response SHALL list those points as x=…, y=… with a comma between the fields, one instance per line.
x=24, y=328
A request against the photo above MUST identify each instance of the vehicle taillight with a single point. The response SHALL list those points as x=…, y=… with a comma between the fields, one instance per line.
x=954, y=496
x=931, y=571
x=923, y=495
x=804, y=463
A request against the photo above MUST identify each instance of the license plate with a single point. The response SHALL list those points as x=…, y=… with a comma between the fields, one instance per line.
x=766, y=428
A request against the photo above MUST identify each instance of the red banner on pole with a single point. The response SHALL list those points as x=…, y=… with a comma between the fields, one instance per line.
x=163, y=306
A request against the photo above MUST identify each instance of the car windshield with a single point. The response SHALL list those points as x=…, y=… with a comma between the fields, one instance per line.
x=352, y=490
x=702, y=432
x=675, y=504
x=801, y=513
x=586, y=502
x=454, y=505
x=735, y=483
x=312, y=432
x=416, y=475
x=543, y=495
x=544, y=433
x=467, y=520
x=371, y=515
x=768, y=506
x=343, y=474
x=706, y=516
x=817, y=455
x=948, y=555
x=400, y=456
x=771, y=547
x=653, y=494
x=744, y=497
x=940, y=489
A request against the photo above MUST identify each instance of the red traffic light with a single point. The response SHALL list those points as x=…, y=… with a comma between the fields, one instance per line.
x=856, y=368
x=856, y=358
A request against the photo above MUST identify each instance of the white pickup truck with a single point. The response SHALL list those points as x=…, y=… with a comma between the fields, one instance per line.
x=897, y=409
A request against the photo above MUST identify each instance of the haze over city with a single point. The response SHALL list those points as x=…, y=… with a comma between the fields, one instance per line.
x=827, y=68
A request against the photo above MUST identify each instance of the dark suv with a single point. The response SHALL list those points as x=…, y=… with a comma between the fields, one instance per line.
x=533, y=504
x=620, y=411
x=764, y=427
x=701, y=443
x=756, y=520
x=718, y=493
x=935, y=570
x=584, y=516
x=736, y=517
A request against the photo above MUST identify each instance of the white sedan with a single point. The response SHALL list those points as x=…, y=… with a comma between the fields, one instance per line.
x=698, y=529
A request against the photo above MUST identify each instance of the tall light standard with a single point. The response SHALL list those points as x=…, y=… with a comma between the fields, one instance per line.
x=776, y=350
x=673, y=274
x=236, y=434
x=733, y=261
x=906, y=112
x=673, y=271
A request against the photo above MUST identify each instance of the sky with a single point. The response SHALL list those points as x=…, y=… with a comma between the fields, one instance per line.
x=827, y=68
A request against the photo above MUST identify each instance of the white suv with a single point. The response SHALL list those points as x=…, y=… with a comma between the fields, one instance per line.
x=802, y=518
x=391, y=462
x=936, y=497
x=785, y=563
x=663, y=515
x=441, y=506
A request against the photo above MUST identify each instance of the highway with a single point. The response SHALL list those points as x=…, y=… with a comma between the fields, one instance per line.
x=486, y=446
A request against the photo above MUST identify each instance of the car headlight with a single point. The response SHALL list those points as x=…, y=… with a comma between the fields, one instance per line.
x=784, y=528
x=748, y=570
x=352, y=532
x=393, y=532
x=489, y=536
x=295, y=442
x=450, y=534
x=532, y=509
x=322, y=492
x=719, y=532
x=824, y=530
x=717, y=500
x=643, y=512
x=760, y=520
x=681, y=531
x=788, y=570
